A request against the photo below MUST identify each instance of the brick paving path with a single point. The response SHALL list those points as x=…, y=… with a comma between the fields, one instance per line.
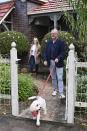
x=55, y=106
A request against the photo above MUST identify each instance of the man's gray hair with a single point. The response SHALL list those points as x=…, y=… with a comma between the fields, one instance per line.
x=54, y=30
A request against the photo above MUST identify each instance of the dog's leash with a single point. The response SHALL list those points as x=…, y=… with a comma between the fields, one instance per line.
x=46, y=80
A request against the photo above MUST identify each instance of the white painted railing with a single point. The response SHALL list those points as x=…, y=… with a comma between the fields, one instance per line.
x=71, y=85
x=4, y=60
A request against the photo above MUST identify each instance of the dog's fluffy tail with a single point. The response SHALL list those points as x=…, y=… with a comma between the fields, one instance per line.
x=32, y=97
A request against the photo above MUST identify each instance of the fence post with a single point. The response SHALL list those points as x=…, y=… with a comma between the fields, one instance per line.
x=71, y=85
x=14, y=80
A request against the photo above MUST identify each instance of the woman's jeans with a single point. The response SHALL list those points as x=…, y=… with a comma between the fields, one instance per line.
x=32, y=63
x=57, y=79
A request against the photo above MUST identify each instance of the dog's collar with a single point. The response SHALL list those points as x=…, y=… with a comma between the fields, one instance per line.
x=35, y=113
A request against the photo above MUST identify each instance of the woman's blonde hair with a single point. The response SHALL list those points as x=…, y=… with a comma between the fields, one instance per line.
x=36, y=39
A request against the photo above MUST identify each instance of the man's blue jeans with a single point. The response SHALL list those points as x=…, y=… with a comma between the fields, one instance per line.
x=57, y=78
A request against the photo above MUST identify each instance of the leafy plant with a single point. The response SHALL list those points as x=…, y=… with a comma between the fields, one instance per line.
x=25, y=83
x=78, y=19
x=26, y=86
x=67, y=37
x=82, y=88
x=5, y=79
x=81, y=96
x=80, y=47
x=6, y=38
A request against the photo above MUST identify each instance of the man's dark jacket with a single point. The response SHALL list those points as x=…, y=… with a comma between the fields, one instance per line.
x=59, y=46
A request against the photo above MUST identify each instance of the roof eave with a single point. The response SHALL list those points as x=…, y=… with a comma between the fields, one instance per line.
x=7, y=14
x=39, y=1
x=48, y=11
x=5, y=2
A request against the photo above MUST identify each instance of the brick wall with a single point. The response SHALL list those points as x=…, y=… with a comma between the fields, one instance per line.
x=21, y=22
x=20, y=18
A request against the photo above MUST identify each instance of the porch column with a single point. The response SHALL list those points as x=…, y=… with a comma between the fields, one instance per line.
x=55, y=18
x=55, y=21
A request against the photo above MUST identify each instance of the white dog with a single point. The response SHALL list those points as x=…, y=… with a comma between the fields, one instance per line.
x=36, y=106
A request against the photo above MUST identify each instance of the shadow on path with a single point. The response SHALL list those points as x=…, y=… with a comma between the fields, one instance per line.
x=22, y=124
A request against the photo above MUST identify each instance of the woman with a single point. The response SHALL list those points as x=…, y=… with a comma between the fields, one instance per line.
x=34, y=58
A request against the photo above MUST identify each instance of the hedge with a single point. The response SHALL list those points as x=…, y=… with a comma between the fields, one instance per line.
x=7, y=37
x=25, y=83
x=68, y=39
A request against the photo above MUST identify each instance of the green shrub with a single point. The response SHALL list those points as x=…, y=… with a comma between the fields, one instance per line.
x=81, y=95
x=81, y=48
x=81, y=88
x=25, y=83
x=6, y=38
x=5, y=79
x=68, y=39
x=26, y=86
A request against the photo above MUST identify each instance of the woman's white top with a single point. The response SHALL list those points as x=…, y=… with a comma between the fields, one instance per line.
x=33, y=48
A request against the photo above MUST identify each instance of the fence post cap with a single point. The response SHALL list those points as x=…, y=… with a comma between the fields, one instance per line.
x=71, y=47
x=13, y=44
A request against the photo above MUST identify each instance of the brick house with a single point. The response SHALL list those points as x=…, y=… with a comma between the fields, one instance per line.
x=33, y=17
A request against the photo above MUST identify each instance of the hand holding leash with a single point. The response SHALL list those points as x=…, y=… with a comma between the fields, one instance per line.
x=56, y=60
x=45, y=63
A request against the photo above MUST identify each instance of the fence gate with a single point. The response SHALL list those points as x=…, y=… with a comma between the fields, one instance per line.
x=81, y=92
x=76, y=89
x=5, y=85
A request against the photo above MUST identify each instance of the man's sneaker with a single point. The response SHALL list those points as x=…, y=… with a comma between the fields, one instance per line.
x=61, y=96
x=54, y=93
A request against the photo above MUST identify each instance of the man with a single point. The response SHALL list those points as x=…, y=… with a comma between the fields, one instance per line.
x=53, y=55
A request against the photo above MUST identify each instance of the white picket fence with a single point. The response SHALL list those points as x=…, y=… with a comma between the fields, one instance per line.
x=71, y=85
